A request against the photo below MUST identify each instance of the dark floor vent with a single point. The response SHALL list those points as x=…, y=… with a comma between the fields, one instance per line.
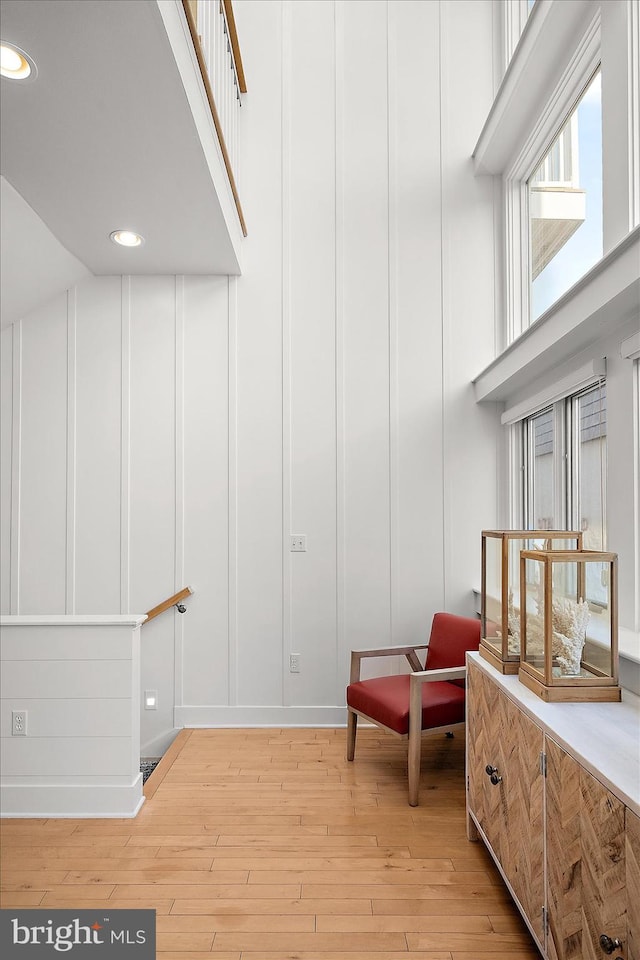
x=147, y=766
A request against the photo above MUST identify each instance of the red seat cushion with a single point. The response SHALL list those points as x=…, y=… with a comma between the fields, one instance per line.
x=386, y=699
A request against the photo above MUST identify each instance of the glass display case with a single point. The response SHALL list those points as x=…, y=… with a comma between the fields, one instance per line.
x=500, y=603
x=569, y=624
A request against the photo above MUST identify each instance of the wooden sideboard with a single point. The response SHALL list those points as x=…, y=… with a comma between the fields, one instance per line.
x=554, y=792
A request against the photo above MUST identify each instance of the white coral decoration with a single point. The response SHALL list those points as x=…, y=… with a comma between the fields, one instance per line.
x=569, y=631
x=513, y=619
x=569, y=620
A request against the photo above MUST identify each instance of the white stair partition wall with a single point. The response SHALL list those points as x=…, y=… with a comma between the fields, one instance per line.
x=75, y=681
x=215, y=41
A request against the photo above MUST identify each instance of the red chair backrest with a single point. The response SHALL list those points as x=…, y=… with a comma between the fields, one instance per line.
x=451, y=637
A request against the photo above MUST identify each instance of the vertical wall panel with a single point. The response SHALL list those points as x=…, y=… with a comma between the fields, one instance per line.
x=6, y=434
x=16, y=444
x=258, y=494
x=310, y=287
x=232, y=486
x=98, y=462
x=206, y=492
x=342, y=648
x=70, y=572
x=365, y=300
x=43, y=474
x=470, y=430
x=416, y=318
x=152, y=466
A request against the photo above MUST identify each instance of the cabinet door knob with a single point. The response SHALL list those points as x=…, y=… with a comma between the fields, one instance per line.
x=609, y=945
x=496, y=779
x=489, y=770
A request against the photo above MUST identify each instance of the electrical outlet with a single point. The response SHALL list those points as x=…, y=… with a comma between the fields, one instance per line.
x=18, y=723
x=298, y=543
x=294, y=663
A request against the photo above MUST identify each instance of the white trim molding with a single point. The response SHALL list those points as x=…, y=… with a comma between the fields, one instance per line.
x=265, y=716
x=533, y=80
x=633, y=8
x=630, y=348
x=584, y=376
x=608, y=295
x=76, y=801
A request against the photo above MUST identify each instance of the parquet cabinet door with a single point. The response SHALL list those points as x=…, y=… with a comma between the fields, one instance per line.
x=632, y=858
x=585, y=828
x=510, y=812
x=524, y=791
x=482, y=720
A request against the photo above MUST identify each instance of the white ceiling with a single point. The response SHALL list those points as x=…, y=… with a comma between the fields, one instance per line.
x=104, y=138
x=35, y=265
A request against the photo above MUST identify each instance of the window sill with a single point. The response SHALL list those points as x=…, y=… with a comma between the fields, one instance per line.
x=606, y=296
x=628, y=651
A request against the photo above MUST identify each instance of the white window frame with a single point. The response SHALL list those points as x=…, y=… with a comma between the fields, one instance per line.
x=575, y=78
x=566, y=464
x=560, y=521
x=633, y=19
x=574, y=464
x=636, y=483
x=515, y=16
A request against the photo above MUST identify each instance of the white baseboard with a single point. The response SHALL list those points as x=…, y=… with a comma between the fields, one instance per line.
x=260, y=716
x=158, y=746
x=71, y=801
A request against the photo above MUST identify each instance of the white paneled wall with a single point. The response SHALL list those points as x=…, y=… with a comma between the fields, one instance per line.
x=170, y=431
x=100, y=472
x=470, y=440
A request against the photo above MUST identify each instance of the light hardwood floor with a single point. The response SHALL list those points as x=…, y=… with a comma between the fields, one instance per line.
x=268, y=845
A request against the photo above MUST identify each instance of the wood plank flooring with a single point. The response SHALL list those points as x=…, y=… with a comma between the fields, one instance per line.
x=267, y=845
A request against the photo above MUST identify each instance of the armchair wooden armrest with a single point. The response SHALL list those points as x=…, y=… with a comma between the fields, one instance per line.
x=446, y=673
x=408, y=652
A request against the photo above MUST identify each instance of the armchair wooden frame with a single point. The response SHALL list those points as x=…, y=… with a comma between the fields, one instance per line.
x=417, y=678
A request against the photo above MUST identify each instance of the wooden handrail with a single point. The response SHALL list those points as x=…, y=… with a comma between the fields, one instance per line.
x=193, y=30
x=235, y=46
x=169, y=602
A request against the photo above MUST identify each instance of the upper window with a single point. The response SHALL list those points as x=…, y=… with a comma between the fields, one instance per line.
x=565, y=204
x=564, y=468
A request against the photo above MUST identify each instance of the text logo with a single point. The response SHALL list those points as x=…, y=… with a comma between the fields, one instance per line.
x=78, y=933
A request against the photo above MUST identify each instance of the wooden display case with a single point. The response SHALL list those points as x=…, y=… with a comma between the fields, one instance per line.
x=569, y=624
x=500, y=607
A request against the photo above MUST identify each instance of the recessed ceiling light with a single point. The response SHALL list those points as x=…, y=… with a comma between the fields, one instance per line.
x=127, y=238
x=15, y=63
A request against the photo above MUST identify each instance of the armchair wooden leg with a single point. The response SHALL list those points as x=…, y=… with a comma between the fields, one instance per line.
x=415, y=744
x=415, y=741
x=352, y=726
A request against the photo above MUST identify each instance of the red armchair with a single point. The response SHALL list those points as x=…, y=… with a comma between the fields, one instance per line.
x=426, y=700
